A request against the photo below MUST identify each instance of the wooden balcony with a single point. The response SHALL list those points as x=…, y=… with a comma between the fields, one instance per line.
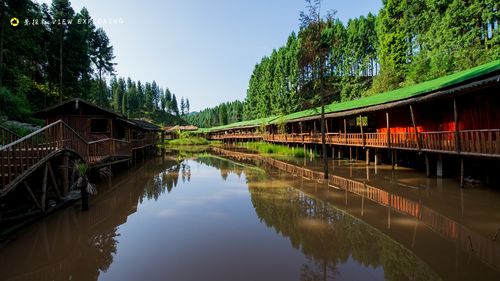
x=469, y=142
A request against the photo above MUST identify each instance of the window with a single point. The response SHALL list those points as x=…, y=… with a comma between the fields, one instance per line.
x=99, y=125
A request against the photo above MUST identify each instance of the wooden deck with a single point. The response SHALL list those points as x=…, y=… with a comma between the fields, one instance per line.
x=23, y=156
x=467, y=142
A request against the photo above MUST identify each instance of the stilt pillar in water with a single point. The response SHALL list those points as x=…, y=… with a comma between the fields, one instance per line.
x=367, y=156
x=427, y=166
x=357, y=153
x=392, y=159
x=333, y=152
x=65, y=170
x=461, y=172
x=350, y=153
x=439, y=166
x=378, y=157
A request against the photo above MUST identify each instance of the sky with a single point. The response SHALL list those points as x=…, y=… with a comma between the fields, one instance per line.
x=203, y=50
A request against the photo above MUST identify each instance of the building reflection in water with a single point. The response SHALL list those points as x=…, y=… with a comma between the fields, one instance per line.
x=72, y=244
x=334, y=224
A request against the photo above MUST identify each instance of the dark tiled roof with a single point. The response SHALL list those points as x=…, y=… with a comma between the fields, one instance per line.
x=145, y=125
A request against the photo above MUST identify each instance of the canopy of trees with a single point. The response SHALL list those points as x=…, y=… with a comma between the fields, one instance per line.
x=406, y=43
x=225, y=113
x=55, y=54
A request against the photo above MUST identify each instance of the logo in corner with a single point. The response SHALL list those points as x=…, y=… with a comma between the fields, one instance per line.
x=14, y=22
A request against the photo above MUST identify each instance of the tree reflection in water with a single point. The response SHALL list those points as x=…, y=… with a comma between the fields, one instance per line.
x=329, y=237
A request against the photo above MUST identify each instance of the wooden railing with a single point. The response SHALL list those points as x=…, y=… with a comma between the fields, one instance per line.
x=478, y=142
x=440, y=141
x=7, y=136
x=139, y=143
x=21, y=155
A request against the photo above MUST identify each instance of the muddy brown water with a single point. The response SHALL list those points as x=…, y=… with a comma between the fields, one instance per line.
x=214, y=218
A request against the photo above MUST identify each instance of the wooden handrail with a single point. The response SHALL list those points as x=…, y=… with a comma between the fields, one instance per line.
x=19, y=156
x=7, y=136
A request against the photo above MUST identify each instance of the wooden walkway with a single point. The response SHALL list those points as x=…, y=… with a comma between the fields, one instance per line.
x=22, y=156
x=471, y=142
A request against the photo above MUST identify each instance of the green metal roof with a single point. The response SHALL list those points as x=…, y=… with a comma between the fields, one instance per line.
x=382, y=98
x=241, y=124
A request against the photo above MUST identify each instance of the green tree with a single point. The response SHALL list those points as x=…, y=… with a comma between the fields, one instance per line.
x=313, y=58
x=102, y=57
x=175, y=106
x=183, y=106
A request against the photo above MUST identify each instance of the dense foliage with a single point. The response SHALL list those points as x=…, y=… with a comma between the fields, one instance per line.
x=55, y=54
x=406, y=43
x=224, y=113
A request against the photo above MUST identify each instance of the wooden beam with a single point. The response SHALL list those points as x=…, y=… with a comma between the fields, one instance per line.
x=461, y=172
x=31, y=194
x=65, y=169
x=54, y=183
x=414, y=127
x=457, y=133
x=388, y=129
x=361, y=127
x=44, y=187
x=345, y=130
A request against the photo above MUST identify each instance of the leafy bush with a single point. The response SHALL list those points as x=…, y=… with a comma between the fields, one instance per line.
x=13, y=106
x=188, y=141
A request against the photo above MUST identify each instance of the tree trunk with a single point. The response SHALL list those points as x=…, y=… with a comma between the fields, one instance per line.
x=101, y=94
x=2, y=28
x=61, y=67
x=323, y=141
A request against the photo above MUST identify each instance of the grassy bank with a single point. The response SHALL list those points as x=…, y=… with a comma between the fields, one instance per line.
x=275, y=149
x=187, y=141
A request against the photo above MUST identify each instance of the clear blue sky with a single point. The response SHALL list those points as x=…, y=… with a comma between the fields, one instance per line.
x=204, y=50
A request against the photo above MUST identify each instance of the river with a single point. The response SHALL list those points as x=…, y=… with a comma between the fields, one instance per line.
x=215, y=217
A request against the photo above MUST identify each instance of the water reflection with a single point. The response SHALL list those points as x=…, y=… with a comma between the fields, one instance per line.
x=72, y=244
x=330, y=237
x=214, y=218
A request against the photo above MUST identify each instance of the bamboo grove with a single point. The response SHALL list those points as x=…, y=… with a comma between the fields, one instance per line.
x=407, y=42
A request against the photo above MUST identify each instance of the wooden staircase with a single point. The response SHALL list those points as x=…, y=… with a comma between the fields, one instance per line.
x=22, y=156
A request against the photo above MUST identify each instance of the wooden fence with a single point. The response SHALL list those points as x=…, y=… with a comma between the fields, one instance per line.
x=473, y=142
x=22, y=155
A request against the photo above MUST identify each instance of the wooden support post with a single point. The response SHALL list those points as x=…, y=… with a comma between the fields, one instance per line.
x=32, y=195
x=65, y=171
x=388, y=129
x=457, y=132
x=333, y=152
x=44, y=187
x=427, y=166
x=392, y=159
x=367, y=156
x=396, y=158
x=361, y=128
x=378, y=157
x=53, y=179
x=350, y=153
x=417, y=139
x=345, y=130
x=439, y=166
x=461, y=172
